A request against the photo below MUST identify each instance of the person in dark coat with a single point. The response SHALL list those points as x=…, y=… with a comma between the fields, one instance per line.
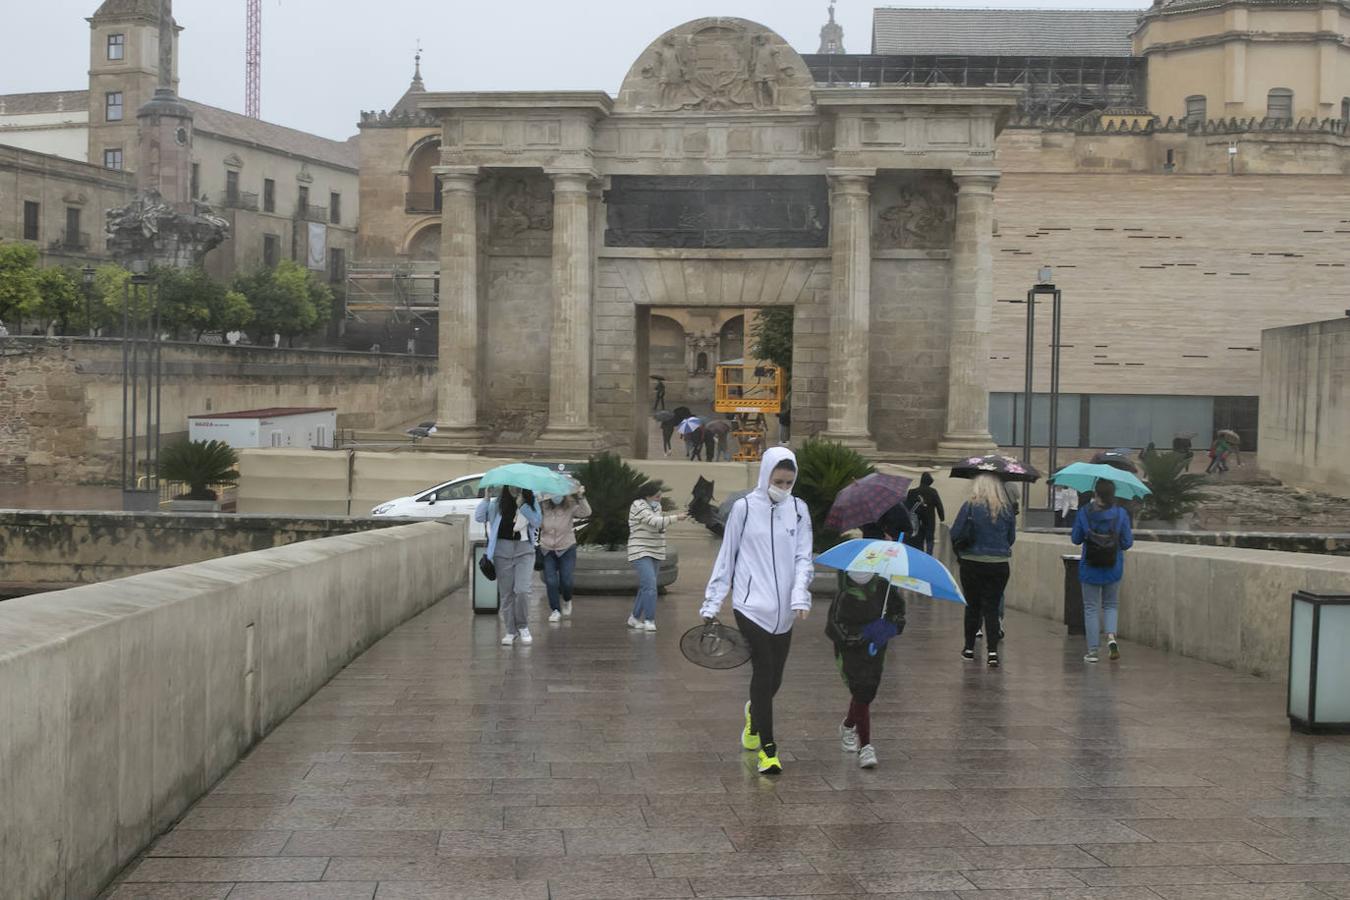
x=925, y=504
x=865, y=615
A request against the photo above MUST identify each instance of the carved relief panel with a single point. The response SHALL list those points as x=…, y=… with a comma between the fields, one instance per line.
x=913, y=211
x=520, y=212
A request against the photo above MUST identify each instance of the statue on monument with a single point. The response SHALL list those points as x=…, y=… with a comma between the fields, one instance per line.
x=765, y=71
x=671, y=71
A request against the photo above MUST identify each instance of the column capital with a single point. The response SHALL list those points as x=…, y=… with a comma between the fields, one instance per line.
x=571, y=180
x=976, y=182
x=457, y=178
x=849, y=180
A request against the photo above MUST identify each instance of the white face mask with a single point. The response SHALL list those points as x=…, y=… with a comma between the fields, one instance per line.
x=655, y=505
x=778, y=495
x=860, y=577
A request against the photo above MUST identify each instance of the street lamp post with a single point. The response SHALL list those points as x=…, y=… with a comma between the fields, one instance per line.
x=88, y=273
x=142, y=367
x=1044, y=286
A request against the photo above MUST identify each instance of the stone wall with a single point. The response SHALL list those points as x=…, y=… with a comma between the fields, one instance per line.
x=124, y=702
x=60, y=399
x=43, y=547
x=1305, y=404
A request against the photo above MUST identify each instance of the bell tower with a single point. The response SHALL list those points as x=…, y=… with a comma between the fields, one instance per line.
x=125, y=59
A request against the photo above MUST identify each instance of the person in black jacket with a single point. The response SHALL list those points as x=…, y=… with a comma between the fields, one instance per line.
x=925, y=504
x=866, y=613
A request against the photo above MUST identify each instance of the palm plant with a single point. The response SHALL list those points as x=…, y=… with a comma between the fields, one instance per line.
x=824, y=468
x=1175, y=490
x=199, y=464
x=611, y=487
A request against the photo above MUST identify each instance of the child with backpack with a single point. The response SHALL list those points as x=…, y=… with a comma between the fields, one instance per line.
x=1103, y=528
x=865, y=615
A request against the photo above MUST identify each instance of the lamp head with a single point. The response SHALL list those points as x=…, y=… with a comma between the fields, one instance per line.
x=1046, y=275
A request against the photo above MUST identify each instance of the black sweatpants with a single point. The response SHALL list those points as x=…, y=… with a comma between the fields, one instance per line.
x=983, y=584
x=768, y=656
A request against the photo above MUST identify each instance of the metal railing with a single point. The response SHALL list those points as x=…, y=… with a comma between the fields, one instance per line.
x=311, y=213
x=71, y=240
x=422, y=202
x=239, y=200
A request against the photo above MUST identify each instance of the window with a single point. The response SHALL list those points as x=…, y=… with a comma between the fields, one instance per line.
x=72, y=237
x=1280, y=104
x=30, y=220
x=196, y=180
x=1171, y=158
x=231, y=185
x=112, y=106
x=117, y=46
x=112, y=158
x=335, y=207
x=271, y=250
x=269, y=195
x=337, y=264
x=302, y=202
x=1195, y=110
x=1345, y=109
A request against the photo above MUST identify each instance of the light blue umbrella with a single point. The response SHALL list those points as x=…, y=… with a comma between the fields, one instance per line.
x=905, y=567
x=529, y=477
x=1083, y=477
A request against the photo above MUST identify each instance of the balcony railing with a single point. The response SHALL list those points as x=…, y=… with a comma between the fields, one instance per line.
x=311, y=213
x=239, y=200
x=422, y=202
x=72, y=240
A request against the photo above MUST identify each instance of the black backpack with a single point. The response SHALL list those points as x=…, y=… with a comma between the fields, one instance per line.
x=1100, y=548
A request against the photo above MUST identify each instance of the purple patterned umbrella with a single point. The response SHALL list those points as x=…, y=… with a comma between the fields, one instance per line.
x=866, y=500
x=1005, y=468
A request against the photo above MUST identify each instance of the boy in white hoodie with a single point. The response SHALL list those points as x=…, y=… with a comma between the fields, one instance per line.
x=765, y=564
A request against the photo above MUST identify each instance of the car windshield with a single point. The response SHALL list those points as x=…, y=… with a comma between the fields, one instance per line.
x=462, y=489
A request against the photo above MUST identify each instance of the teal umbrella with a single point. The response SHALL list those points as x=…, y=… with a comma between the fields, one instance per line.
x=529, y=477
x=1082, y=477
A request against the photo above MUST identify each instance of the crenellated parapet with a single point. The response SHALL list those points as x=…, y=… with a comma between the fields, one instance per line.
x=1144, y=124
x=397, y=119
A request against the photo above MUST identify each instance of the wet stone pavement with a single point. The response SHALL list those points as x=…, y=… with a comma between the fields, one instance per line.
x=599, y=764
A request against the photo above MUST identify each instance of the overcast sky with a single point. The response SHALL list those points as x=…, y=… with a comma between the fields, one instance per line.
x=325, y=60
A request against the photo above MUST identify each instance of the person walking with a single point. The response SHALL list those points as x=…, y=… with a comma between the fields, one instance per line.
x=646, y=549
x=660, y=401
x=865, y=616
x=1103, y=528
x=513, y=521
x=558, y=544
x=765, y=564
x=925, y=505
x=667, y=432
x=693, y=444
x=983, y=536
x=1066, y=505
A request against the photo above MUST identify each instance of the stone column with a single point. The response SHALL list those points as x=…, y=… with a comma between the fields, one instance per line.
x=457, y=387
x=972, y=313
x=569, y=399
x=850, y=307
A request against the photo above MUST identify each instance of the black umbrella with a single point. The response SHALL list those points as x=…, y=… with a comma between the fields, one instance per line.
x=663, y=416
x=1005, y=468
x=715, y=646
x=657, y=377
x=680, y=413
x=1119, y=458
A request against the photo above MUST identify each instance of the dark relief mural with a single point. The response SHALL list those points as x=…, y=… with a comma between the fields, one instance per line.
x=736, y=212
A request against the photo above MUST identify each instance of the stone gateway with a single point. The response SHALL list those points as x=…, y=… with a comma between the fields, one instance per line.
x=720, y=176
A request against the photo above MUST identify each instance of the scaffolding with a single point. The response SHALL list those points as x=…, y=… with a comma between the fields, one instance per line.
x=397, y=292
x=1055, y=85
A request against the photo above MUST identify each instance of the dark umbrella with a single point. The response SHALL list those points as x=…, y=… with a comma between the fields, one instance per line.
x=657, y=377
x=1006, y=468
x=717, y=426
x=715, y=646
x=866, y=500
x=663, y=416
x=681, y=413
x=724, y=508
x=1119, y=458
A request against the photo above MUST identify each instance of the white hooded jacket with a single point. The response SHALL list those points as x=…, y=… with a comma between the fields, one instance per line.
x=765, y=560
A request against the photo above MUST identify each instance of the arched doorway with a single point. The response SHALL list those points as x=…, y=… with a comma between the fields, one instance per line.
x=731, y=339
x=425, y=245
x=424, y=188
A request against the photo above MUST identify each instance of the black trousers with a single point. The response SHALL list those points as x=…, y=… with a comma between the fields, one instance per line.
x=983, y=584
x=768, y=656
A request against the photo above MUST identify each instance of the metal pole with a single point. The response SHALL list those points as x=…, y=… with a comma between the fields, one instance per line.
x=1026, y=402
x=156, y=373
x=125, y=373
x=1054, y=397
x=135, y=335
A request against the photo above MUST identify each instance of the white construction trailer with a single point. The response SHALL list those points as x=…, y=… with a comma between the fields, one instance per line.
x=282, y=426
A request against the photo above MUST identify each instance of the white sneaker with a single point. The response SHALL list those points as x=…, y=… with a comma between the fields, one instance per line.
x=848, y=738
x=526, y=637
x=555, y=616
x=508, y=639
x=867, y=758
x=634, y=623
x=649, y=625
x=567, y=607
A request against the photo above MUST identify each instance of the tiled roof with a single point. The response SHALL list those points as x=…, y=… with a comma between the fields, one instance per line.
x=1003, y=32
x=143, y=9
x=271, y=412
x=44, y=102
x=226, y=124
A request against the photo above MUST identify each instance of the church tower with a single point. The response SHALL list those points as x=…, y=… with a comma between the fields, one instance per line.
x=831, y=36
x=124, y=71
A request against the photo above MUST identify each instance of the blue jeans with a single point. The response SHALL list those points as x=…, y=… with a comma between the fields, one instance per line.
x=1107, y=596
x=558, y=569
x=644, y=609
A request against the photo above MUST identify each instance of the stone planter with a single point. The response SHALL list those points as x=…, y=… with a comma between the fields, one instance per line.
x=206, y=506
x=601, y=571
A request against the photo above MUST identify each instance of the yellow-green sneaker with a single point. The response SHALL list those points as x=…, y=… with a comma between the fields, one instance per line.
x=749, y=740
x=769, y=765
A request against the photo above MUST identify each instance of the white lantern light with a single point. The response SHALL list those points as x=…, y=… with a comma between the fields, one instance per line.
x=1319, y=667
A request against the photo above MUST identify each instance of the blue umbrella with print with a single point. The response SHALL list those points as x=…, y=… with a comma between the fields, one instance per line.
x=530, y=477
x=1083, y=477
x=904, y=566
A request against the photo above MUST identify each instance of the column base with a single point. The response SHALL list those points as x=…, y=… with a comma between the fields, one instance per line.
x=471, y=436
x=571, y=440
x=959, y=446
x=860, y=440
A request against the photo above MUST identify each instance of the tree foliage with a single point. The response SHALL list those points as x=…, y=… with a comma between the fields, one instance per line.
x=1175, y=490
x=19, y=287
x=772, y=336
x=824, y=468
x=199, y=464
x=289, y=300
x=611, y=487
x=60, y=299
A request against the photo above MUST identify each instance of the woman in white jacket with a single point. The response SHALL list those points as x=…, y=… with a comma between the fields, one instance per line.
x=765, y=564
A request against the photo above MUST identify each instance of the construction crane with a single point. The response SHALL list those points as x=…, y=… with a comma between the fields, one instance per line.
x=253, y=61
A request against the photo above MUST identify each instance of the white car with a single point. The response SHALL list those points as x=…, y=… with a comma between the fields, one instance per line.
x=457, y=497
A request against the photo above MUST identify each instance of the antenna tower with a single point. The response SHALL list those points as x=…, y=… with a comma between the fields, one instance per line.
x=253, y=61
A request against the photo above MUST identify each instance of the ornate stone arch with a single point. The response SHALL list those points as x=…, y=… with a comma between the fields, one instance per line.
x=422, y=241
